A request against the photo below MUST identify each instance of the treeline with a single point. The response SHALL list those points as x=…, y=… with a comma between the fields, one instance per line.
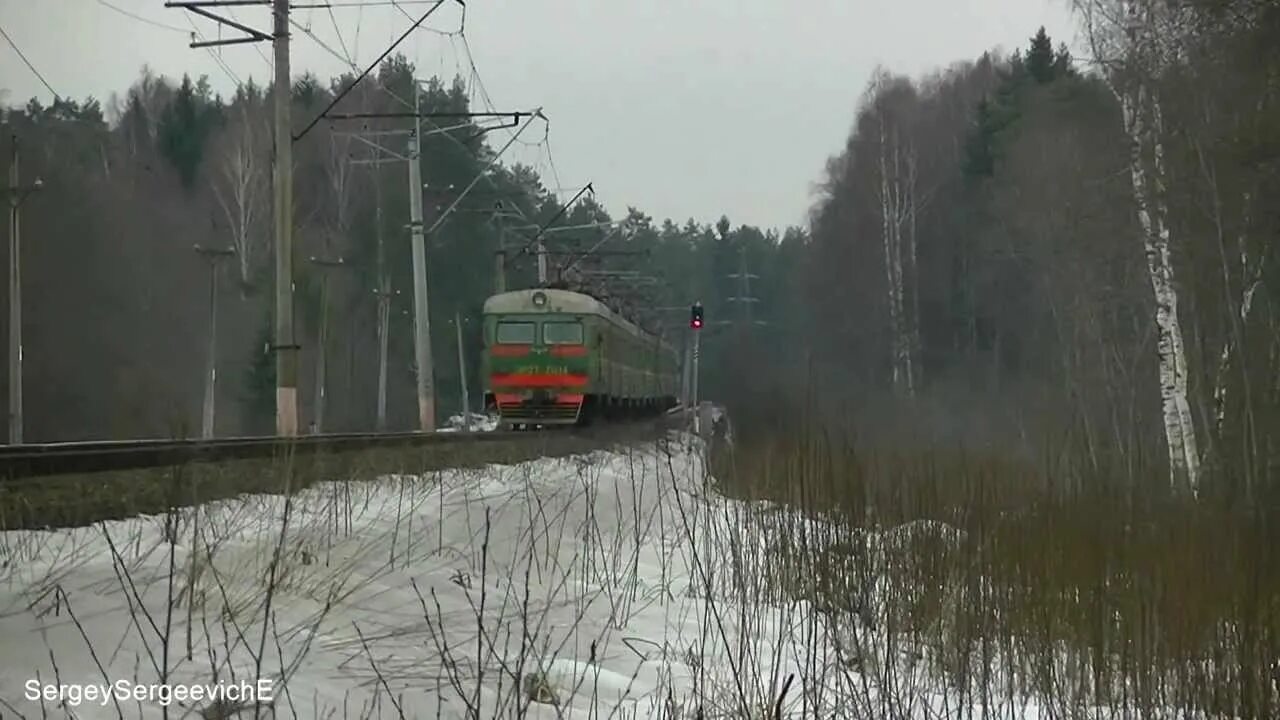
x=116, y=298
x=1033, y=253
x=1019, y=250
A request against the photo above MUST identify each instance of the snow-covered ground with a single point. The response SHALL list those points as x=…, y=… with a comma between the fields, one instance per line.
x=479, y=423
x=609, y=585
x=573, y=581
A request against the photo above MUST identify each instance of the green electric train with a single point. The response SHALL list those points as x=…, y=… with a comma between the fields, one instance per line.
x=557, y=357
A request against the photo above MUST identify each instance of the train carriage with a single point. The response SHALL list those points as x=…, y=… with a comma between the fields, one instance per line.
x=557, y=357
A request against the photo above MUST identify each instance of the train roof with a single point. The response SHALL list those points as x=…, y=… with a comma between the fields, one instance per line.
x=561, y=301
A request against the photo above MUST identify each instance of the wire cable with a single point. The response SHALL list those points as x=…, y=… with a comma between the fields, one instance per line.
x=217, y=60
x=546, y=140
x=338, y=31
x=362, y=75
x=256, y=46
x=30, y=67
x=343, y=58
x=141, y=19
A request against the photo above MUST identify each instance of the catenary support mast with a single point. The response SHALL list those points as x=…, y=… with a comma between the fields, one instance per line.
x=286, y=347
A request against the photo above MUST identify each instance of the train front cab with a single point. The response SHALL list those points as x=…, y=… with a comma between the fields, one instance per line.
x=539, y=371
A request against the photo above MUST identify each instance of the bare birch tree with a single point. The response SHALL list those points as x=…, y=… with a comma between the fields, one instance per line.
x=241, y=180
x=1126, y=41
x=897, y=199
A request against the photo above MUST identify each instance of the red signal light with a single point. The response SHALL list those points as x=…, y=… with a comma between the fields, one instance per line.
x=695, y=316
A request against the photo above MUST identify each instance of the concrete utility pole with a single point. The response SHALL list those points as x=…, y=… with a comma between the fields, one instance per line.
x=542, y=262
x=17, y=193
x=421, y=309
x=286, y=347
x=500, y=271
x=500, y=259
x=462, y=375
x=384, y=301
x=213, y=255
x=15, y=303
x=322, y=350
x=383, y=289
x=282, y=187
x=418, y=234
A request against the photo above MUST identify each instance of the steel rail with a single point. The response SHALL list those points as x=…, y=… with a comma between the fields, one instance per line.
x=44, y=459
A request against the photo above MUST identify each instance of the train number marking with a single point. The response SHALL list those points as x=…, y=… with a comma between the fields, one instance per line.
x=543, y=370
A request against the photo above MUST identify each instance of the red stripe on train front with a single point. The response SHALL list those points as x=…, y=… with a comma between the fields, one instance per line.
x=510, y=350
x=537, y=380
x=506, y=400
x=568, y=351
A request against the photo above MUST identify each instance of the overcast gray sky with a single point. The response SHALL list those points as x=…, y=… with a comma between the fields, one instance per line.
x=683, y=109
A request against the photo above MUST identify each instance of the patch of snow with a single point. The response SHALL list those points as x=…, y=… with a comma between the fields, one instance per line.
x=439, y=592
x=610, y=584
x=479, y=423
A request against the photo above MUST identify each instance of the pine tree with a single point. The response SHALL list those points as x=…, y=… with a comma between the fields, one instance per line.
x=183, y=129
x=260, y=381
x=979, y=160
x=1040, y=59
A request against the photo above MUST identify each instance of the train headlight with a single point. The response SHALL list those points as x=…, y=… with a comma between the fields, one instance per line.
x=539, y=299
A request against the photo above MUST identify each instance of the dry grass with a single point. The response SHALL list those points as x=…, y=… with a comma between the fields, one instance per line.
x=1096, y=597
x=904, y=583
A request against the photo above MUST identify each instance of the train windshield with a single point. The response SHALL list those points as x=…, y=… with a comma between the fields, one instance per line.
x=516, y=333
x=562, y=333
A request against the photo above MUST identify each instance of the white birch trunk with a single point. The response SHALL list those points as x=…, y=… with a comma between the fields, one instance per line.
x=912, y=311
x=892, y=260
x=1179, y=427
x=1251, y=279
x=1252, y=274
x=901, y=339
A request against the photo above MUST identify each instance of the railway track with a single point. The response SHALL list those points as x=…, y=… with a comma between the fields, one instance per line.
x=76, y=484
x=21, y=462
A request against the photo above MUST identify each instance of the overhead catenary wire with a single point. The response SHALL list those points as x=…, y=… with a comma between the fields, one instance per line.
x=546, y=141
x=564, y=208
x=216, y=59
x=344, y=58
x=377, y=82
x=142, y=19
x=365, y=4
x=341, y=41
x=194, y=32
x=338, y=98
x=30, y=67
x=478, y=82
x=256, y=47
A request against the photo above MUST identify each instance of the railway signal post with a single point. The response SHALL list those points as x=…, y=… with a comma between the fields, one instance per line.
x=695, y=323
